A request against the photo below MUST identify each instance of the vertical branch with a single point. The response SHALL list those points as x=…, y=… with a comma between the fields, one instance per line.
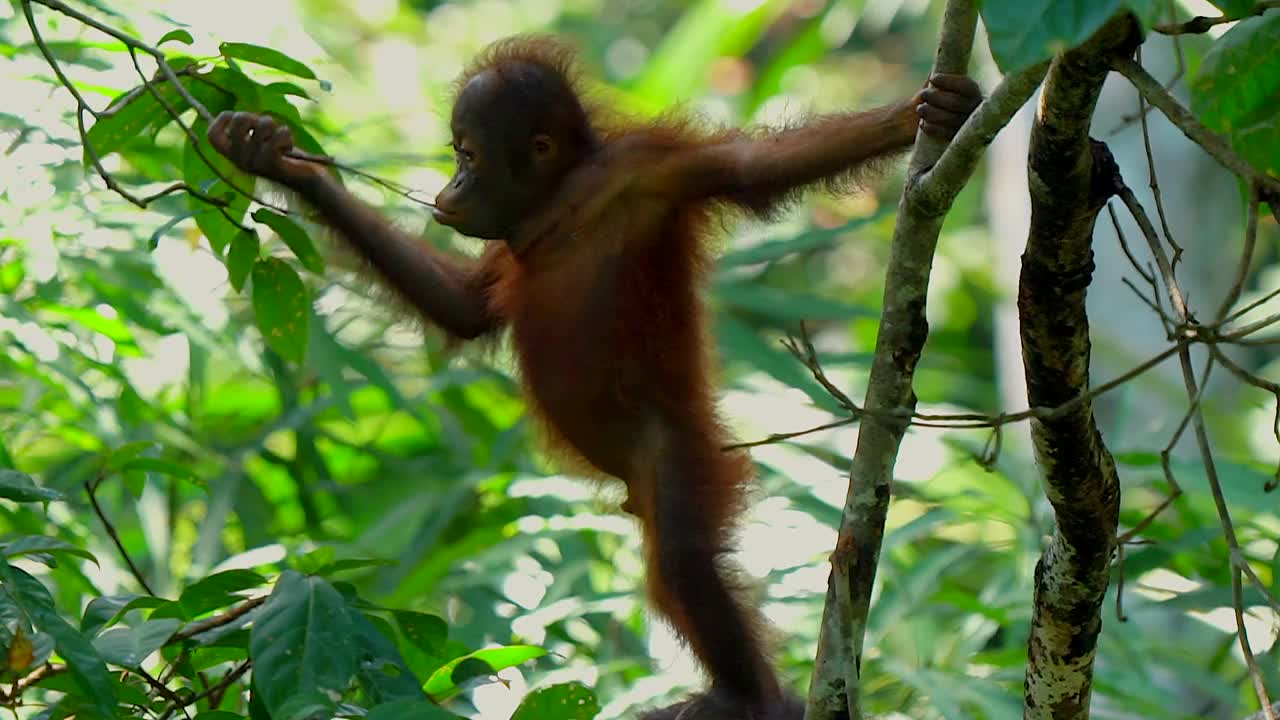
x=1069, y=184
x=835, y=689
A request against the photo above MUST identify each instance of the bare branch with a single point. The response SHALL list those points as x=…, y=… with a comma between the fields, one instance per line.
x=1203, y=24
x=1182, y=118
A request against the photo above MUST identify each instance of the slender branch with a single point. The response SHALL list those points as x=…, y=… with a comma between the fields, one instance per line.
x=1214, y=144
x=91, y=487
x=1178, y=301
x=132, y=43
x=976, y=421
x=1153, y=181
x=1246, y=255
x=1202, y=24
x=225, y=618
x=835, y=690
x=28, y=681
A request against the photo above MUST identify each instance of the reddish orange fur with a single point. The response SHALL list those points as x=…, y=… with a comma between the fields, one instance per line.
x=610, y=333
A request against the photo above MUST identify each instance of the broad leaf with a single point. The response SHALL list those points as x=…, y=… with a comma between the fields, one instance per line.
x=218, y=590
x=268, y=57
x=86, y=665
x=409, y=710
x=443, y=680
x=129, y=646
x=302, y=645
x=44, y=544
x=1237, y=90
x=294, y=236
x=1024, y=32
x=281, y=305
x=19, y=487
x=568, y=701
x=240, y=260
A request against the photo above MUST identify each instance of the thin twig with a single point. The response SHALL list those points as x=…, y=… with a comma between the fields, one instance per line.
x=28, y=681
x=1211, y=142
x=1178, y=302
x=225, y=618
x=976, y=421
x=91, y=487
x=1246, y=255
x=1152, y=180
x=1202, y=24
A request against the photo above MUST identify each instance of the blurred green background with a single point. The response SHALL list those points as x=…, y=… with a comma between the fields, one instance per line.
x=385, y=443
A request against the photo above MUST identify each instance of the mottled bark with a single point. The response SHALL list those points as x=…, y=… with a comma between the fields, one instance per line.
x=1069, y=181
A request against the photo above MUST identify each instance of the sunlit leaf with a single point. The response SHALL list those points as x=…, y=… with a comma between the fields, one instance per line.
x=176, y=35
x=266, y=56
x=442, y=681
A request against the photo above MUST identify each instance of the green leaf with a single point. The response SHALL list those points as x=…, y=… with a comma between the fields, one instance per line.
x=138, y=112
x=206, y=169
x=303, y=652
x=118, y=457
x=218, y=590
x=266, y=56
x=281, y=305
x=129, y=646
x=44, y=544
x=176, y=35
x=382, y=673
x=344, y=564
x=294, y=236
x=567, y=701
x=1238, y=89
x=404, y=709
x=154, y=241
x=1234, y=7
x=244, y=253
x=108, y=609
x=19, y=487
x=160, y=466
x=427, y=632
x=86, y=666
x=288, y=88
x=442, y=681
x=1024, y=32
